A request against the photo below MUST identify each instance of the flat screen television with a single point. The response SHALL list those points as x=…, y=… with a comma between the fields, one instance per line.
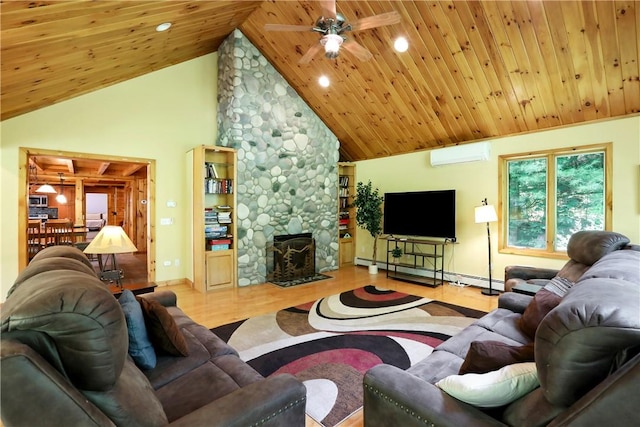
x=420, y=213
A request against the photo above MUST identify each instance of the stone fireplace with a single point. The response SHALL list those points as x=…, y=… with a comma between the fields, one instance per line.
x=287, y=161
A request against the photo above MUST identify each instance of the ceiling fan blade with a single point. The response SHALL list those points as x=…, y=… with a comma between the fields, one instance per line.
x=381, y=20
x=328, y=8
x=313, y=50
x=284, y=27
x=361, y=52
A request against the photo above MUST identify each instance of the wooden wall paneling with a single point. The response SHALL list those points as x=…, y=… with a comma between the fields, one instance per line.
x=79, y=203
x=611, y=57
x=141, y=214
x=628, y=22
x=474, y=69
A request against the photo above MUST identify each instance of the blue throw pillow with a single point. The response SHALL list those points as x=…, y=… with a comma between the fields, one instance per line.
x=140, y=347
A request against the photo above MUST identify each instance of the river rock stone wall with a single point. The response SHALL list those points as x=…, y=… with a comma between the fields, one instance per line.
x=287, y=160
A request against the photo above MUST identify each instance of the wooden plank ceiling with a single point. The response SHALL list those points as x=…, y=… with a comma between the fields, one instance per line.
x=473, y=70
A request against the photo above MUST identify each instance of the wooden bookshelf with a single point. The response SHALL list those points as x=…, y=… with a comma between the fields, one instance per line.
x=346, y=213
x=213, y=178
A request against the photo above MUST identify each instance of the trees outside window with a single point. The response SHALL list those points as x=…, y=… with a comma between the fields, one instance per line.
x=548, y=196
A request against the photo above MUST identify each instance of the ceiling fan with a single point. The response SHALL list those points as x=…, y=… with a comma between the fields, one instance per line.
x=332, y=25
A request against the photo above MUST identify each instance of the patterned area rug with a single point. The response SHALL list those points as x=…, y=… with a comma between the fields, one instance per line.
x=330, y=343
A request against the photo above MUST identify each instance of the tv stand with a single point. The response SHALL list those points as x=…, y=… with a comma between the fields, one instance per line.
x=431, y=251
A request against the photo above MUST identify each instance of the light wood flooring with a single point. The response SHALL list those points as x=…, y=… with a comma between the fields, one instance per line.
x=228, y=305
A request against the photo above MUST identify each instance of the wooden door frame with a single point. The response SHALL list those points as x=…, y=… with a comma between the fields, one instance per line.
x=23, y=191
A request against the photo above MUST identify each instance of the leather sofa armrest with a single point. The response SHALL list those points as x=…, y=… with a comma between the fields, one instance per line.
x=514, y=302
x=617, y=394
x=276, y=401
x=393, y=397
x=34, y=393
x=166, y=298
x=527, y=273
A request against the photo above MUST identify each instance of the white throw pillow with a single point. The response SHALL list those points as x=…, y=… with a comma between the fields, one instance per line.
x=492, y=389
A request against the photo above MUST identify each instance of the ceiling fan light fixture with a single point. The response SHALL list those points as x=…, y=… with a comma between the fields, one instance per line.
x=401, y=44
x=331, y=43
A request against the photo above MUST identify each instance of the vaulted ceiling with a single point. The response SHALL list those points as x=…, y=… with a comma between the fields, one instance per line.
x=473, y=70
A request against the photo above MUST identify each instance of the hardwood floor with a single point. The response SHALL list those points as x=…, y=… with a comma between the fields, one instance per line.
x=228, y=305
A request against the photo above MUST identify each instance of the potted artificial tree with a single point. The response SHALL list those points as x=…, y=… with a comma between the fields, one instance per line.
x=368, y=203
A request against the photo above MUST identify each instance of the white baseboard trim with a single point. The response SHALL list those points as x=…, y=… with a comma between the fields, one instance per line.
x=454, y=278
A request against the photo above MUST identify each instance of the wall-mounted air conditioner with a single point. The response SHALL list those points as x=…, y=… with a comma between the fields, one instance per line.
x=479, y=151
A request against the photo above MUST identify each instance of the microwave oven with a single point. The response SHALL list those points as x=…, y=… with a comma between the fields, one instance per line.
x=38, y=201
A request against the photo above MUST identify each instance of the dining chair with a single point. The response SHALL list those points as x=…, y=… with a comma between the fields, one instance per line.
x=34, y=238
x=58, y=232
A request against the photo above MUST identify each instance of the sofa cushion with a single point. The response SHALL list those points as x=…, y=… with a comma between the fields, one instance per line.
x=83, y=319
x=163, y=330
x=587, y=247
x=208, y=382
x=545, y=300
x=48, y=264
x=140, y=347
x=621, y=265
x=169, y=367
x=131, y=402
x=487, y=356
x=503, y=323
x=492, y=389
x=580, y=342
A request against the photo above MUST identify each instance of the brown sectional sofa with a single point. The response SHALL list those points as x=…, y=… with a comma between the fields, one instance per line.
x=586, y=351
x=64, y=361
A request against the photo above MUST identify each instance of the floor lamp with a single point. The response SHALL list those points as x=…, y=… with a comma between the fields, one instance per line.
x=111, y=240
x=487, y=213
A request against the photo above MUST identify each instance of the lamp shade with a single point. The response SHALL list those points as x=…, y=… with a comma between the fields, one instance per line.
x=46, y=188
x=111, y=240
x=486, y=213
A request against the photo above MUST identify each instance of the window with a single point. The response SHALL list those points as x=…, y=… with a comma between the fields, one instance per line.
x=548, y=196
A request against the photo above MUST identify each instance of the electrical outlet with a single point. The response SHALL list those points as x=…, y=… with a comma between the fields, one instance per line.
x=176, y=262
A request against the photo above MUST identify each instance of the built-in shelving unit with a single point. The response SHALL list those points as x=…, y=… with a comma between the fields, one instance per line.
x=346, y=213
x=213, y=178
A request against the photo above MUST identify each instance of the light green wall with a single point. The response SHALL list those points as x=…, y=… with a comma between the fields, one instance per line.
x=475, y=181
x=157, y=116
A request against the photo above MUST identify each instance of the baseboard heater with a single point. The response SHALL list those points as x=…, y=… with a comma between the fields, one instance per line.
x=479, y=151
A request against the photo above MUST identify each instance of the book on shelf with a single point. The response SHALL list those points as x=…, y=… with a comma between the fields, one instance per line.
x=218, y=247
x=210, y=170
x=218, y=186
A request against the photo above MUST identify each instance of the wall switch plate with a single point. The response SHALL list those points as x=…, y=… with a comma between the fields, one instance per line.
x=166, y=221
x=167, y=263
x=171, y=203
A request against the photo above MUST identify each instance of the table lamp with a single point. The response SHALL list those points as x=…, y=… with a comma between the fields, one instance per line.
x=487, y=213
x=111, y=240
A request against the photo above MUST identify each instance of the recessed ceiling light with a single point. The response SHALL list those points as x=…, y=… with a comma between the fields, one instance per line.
x=401, y=44
x=324, y=81
x=163, y=27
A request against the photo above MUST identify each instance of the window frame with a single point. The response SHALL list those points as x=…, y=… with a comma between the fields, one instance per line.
x=550, y=155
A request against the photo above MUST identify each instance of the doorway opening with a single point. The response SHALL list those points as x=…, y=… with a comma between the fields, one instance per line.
x=126, y=183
